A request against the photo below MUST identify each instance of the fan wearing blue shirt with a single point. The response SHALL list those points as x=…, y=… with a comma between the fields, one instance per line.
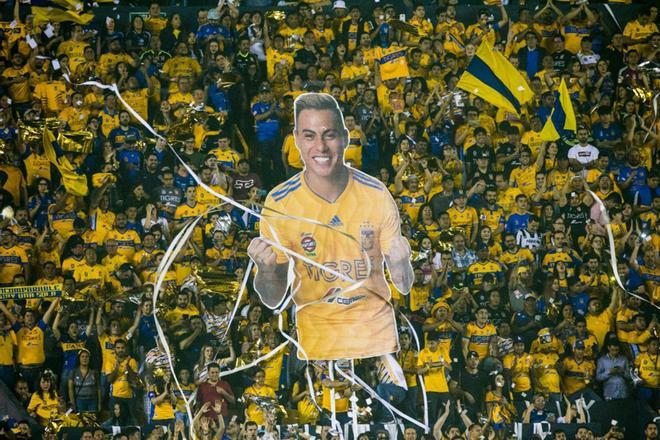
x=606, y=133
x=118, y=135
x=266, y=114
x=518, y=220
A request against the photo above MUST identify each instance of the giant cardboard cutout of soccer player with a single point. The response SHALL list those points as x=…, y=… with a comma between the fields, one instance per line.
x=362, y=222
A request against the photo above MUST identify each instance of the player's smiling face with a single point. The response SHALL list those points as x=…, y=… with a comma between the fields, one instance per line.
x=321, y=138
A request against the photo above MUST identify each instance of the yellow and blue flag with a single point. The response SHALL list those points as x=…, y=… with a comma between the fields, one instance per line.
x=562, y=118
x=492, y=77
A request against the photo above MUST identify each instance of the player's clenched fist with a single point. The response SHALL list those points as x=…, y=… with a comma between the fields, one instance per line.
x=262, y=254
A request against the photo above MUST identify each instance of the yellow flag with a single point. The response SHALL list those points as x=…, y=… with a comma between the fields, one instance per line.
x=43, y=15
x=75, y=184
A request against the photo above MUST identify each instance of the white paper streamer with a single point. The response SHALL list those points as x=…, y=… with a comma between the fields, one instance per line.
x=613, y=258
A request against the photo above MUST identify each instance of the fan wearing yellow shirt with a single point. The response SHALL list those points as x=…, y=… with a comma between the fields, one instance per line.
x=577, y=372
x=433, y=365
x=227, y=156
x=480, y=336
x=484, y=28
x=123, y=376
x=419, y=292
x=637, y=33
x=412, y=195
x=356, y=141
x=128, y=241
x=155, y=22
x=75, y=46
x=113, y=259
x=7, y=352
x=44, y=403
x=13, y=258
x=15, y=78
x=331, y=193
x=524, y=176
x=491, y=214
x=91, y=276
x=259, y=389
x=162, y=399
x=648, y=368
x=291, y=156
x=52, y=94
x=463, y=216
x=183, y=311
x=391, y=62
x=422, y=24
x=180, y=66
x=30, y=338
x=599, y=321
x=484, y=265
x=75, y=116
x=276, y=53
x=110, y=59
x=518, y=368
x=189, y=210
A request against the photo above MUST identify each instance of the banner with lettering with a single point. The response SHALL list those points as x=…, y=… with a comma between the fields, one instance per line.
x=30, y=292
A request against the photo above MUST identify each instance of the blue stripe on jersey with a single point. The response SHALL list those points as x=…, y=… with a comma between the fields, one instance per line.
x=286, y=186
x=367, y=182
x=288, y=191
x=366, y=177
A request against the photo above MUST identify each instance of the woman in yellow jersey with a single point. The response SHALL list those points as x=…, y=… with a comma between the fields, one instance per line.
x=499, y=408
x=44, y=403
x=188, y=389
x=426, y=223
x=485, y=236
x=306, y=399
x=255, y=412
x=403, y=152
x=162, y=399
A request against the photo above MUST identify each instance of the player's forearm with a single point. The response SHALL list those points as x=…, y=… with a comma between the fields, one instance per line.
x=402, y=276
x=271, y=284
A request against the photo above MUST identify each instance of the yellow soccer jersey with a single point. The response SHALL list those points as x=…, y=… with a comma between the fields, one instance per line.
x=413, y=201
x=479, y=338
x=335, y=328
x=127, y=241
x=492, y=218
x=463, y=219
x=30, y=344
x=577, y=375
x=7, y=344
x=520, y=367
x=12, y=262
x=649, y=369
x=525, y=179
x=435, y=380
x=418, y=296
x=228, y=158
x=545, y=371
x=354, y=149
x=477, y=270
x=186, y=212
x=291, y=152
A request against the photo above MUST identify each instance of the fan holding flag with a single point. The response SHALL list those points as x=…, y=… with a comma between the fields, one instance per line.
x=562, y=118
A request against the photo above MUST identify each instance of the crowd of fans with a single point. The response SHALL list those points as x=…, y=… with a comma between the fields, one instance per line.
x=518, y=311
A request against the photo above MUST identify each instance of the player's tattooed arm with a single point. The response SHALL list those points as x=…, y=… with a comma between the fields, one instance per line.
x=398, y=263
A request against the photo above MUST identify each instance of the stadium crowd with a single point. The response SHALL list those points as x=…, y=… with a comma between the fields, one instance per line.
x=515, y=303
